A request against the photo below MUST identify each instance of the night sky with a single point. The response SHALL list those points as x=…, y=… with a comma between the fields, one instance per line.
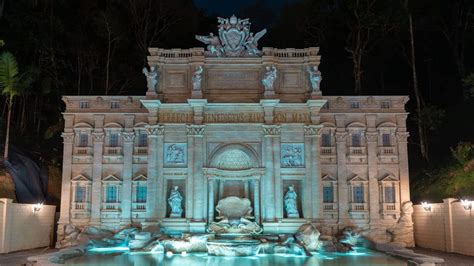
x=227, y=8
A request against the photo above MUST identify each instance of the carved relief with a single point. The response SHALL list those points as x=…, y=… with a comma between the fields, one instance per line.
x=128, y=136
x=155, y=130
x=341, y=136
x=402, y=136
x=175, y=153
x=68, y=137
x=292, y=155
x=271, y=130
x=98, y=136
x=311, y=130
x=195, y=130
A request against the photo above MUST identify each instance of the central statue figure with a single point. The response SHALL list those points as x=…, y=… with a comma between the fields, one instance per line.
x=235, y=217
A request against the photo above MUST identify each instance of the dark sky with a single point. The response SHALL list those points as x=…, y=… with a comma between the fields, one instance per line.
x=229, y=7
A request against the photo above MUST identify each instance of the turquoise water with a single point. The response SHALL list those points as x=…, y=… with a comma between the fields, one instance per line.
x=359, y=257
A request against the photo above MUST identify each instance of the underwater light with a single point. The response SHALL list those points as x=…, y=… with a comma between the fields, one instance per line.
x=169, y=253
x=109, y=249
x=184, y=253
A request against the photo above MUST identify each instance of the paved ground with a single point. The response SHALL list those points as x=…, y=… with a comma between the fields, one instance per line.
x=451, y=259
x=19, y=257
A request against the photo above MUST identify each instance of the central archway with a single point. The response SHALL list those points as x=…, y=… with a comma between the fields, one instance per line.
x=234, y=157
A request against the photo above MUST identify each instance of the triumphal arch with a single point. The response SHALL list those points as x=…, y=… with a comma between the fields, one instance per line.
x=234, y=126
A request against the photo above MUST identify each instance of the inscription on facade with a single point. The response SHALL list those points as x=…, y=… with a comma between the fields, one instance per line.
x=174, y=117
x=234, y=118
x=291, y=117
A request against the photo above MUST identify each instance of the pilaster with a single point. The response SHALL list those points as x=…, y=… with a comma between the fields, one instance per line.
x=343, y=193
x=270, y=132
x=195, y=175
x=156, y=208
x=126, y=203
x=68, y=140
x=402, y=139
x=311, y=134
x=374, y=202
x=96, y=202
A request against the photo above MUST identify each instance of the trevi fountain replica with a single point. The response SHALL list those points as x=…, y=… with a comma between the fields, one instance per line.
x=233, y=151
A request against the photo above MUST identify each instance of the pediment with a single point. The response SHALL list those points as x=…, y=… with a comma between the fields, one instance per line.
x=80, y=178
x=140, y=178
x=111, y=178
x=388, y=178
x=328, y=178
x=357, y=178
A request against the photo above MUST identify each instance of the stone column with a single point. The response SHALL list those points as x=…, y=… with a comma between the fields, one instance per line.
x=402, y=138
x=68, y=140
x=270, y=132
x=96, y=202
x=311, y=133
x=211, y=204
x=155, y=190
x=196, y=156
x=374, y=202
x=256, y=200
x=127, y=172
x=343, y=192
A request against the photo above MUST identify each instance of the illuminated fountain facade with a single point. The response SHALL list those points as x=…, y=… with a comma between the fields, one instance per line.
x=235, y=130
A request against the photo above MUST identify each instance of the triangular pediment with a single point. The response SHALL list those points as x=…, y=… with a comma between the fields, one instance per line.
x=80, y=178
x=388, y=178
x=111, y=178
x=328, y=178
x=357, y=178
x=140, y=178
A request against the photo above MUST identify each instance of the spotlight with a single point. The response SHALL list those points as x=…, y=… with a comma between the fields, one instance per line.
x=37, y=207
x=169, y=253
x=426, y=206
x=466, y=204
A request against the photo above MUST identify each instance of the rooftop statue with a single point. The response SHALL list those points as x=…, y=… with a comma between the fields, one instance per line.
x=151, y=78
x=235, y=39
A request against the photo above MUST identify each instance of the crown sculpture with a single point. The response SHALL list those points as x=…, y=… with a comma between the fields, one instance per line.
x=234, y=40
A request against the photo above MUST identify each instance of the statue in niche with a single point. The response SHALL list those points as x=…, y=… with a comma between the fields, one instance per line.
x=214, y=45
x=314, y=77
x=151, y=78
x=269, y=78
x=197, y=78
x=175, y=201
x=292, y=155
x=290, y=203
x=175, y=154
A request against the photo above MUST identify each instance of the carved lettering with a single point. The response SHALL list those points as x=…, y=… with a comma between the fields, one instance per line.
x=233, y=118
x=292, y=117
x=174, y=117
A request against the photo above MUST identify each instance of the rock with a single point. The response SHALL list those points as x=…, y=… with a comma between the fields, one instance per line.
x=402, y=232
x=309, y=235
x=267, y=248
x=233, y=247
x=92, y=230
x=125, y=233
x=154, y=247
x=63, y=255
x=348, y=236
x=142, y=236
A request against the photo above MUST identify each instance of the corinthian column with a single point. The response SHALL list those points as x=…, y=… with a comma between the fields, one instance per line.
x=195, y=175
x=374, y=202
x=128, y=138
x=96, y=202
x=402, y=138
x=68, y=139
x=271, y=135
x=156, y=207
x=343, y=192
x=312, y=184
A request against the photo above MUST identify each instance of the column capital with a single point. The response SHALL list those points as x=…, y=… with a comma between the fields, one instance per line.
x=155, y=130
x=195, y=130
x=341, y=136
x=98, y=137
x=271, y=130
x=68, y=137
x=402, y=136
x=312, y=130
x=128, y=137
x=372, y=136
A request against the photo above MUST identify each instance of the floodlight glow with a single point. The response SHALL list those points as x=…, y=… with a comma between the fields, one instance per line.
x=37, y=207
x=466, y=204
x=427, y=206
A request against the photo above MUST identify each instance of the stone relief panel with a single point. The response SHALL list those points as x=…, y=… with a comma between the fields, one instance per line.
x=175, y=154
x=292, y=155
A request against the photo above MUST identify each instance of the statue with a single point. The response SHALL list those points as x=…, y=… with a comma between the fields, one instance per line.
x=197, y=78
x=269, y=78
x=175, y=201
x=151, y=78
x=290, y=203
x=235, y=39
x=314, y=77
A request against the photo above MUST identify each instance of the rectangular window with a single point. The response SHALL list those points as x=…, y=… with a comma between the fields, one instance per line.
x=80, y=195
x=358, y=194
x=326, y=140
x=355, y=139
x=114, y=105
x=141, y=194
x=386, y=140
x=83, y=104
x=83, y=140
x=142, y=140
x=113, y=140
x=328, y=194
x=355, y=105
x=385, y=105
x=389, y=194
x=111, y=194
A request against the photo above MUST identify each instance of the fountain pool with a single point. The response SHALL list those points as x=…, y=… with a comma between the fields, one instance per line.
x=360, y=256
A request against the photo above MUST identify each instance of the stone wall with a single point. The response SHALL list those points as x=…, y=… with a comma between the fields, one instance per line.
x=22, y=228
x=447, y=227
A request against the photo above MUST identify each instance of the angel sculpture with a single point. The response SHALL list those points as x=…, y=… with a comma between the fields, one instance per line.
x=213, y=43
x=314, y=77
x=151, y=77
x=252, y=42
x=197, y=78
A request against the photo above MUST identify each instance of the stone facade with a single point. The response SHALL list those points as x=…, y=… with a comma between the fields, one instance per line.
x=345, y=156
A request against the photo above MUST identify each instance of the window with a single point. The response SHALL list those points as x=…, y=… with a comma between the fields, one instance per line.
x=358, y=194
x=141, y=194
x=111, y=194
x=84, y=104
x=389, y=194
x=355, y=139
x=328, y=194
x=80, y=194
x=355, y=105
x=386, y=140
x=385, y=105
x=326, y=140
x=114, y=105
x=113, y=141
x=83, y=140
x=142, y=140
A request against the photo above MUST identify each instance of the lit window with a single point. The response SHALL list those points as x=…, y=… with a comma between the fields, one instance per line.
x=386, y=140
x=111, y=194
x=328, y=195
x=358, y=194
x=83, y=140
x=84, y=105
x=80, y=195
x=385, y=105
x=142, y=140
x=141, y=194
x=356, y=140
x=389, y=194
x=113, y=140
x=114, y=105
x=355, y=105
x=326, y=140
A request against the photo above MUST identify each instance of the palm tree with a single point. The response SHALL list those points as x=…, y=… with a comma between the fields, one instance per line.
x=11, y=85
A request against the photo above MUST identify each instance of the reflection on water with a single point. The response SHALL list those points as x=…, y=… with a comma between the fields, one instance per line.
x=360, y=257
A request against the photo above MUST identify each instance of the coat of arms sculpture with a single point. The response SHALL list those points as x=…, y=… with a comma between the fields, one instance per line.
x=234, y=40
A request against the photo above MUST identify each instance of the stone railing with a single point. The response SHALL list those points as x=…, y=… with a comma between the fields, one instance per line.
x=139, y=206
x=359, y=207
x=356, y=150
x=176, y=53
x=290, y=52
x=387, y=151
x=329, y=206
x=390, y=207
x=111, y=206
x=140, y=150
x=113, y=151
x=83, y=151
x=328, y=150
x=81, y=206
